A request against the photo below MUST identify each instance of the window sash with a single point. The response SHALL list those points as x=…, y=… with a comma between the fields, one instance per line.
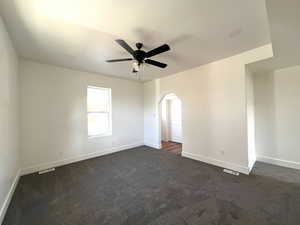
x=98, y=99
x=98, y=126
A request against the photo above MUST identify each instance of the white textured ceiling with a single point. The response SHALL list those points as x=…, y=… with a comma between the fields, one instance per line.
x=284, y=20
x=80, y=34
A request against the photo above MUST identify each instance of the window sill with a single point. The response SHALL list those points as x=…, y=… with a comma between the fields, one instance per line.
x=99, y=136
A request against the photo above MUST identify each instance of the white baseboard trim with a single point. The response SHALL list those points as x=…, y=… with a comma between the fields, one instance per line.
x=9, y=196
x=44, y=166
x=216, y=162
x=178, y=140
x=279, y=162
x=153, y=145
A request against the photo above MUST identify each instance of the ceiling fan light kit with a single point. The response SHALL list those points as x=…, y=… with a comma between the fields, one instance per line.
x=135, y=67
x=140, y=56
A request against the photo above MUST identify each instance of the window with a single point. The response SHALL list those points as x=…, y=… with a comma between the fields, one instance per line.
x=99, y=111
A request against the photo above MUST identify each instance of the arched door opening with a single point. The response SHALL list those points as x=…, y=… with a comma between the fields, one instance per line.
x=171, y=124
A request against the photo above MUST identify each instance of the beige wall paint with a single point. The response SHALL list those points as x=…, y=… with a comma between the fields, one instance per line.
x=53, y=114
x=277, y=113
x=214, y=112
x=9, y=138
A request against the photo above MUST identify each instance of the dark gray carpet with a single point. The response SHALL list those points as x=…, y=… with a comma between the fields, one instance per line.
x=143, y=186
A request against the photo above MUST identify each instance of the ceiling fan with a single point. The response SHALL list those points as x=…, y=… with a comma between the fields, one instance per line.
x=140, y=56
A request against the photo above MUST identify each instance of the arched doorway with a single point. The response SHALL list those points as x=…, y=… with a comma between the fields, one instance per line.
x=171, y=124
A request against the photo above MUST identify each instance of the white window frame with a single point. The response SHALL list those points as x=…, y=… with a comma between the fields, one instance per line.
x=109, y=133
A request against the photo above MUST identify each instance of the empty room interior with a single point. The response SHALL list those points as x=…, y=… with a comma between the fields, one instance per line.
x=149, y=112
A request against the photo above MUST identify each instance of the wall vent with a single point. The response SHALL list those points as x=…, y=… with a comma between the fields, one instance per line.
x=231, y=172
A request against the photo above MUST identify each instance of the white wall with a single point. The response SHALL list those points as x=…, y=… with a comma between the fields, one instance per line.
x=151, y=114
x=53, y=115
x=9, y=145
x=277, y=113
x=250, y=103
x=213, y=109
x=164, y=120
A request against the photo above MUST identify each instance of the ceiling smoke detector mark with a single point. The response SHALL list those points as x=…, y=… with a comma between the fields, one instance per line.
x=222, y=151
x=235, y=33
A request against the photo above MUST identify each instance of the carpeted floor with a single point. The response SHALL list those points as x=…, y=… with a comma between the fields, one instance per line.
x=143, y=186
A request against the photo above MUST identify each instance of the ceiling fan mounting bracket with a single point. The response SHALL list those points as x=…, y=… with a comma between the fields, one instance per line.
x=139, y=45
x=139, y=55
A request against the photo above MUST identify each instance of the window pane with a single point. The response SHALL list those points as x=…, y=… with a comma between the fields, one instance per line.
x=98, y=123
x=98, y=99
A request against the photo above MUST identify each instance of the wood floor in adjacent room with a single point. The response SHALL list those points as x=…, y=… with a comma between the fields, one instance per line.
x=144, y=186
x=170, y=146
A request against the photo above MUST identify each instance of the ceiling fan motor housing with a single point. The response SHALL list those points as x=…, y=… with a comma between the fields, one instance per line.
x=139, y=55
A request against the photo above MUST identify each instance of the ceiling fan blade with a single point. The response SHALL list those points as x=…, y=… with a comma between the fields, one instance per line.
x=158, y=50
x=125, y=46
x=119, y=60
x=155, y=63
